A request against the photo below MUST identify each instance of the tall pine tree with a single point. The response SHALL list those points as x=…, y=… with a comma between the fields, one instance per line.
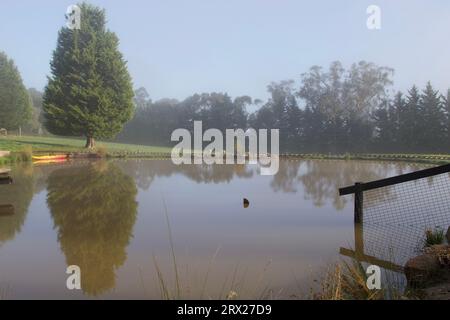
x=432, y=135
x=409, y=124
x=90, y=92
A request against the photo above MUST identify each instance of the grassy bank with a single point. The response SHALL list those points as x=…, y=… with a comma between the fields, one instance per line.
x=418, y=158
x=57, y=144
x=22, y=147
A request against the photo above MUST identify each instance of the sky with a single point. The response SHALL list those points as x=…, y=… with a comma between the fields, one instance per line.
x=177, y=48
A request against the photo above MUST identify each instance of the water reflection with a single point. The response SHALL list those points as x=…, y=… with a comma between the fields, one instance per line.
x=318, y=179
x=18, y=195
x=93, y=208
x=321, y=179
x=145, y=171
x=94, y=211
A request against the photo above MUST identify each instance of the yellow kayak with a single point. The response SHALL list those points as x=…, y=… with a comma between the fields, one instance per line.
x=49, y=158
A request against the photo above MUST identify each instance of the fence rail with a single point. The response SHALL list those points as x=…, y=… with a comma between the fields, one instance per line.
x=360, y=187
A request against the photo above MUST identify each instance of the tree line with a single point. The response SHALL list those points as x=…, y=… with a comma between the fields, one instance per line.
x=333, y=111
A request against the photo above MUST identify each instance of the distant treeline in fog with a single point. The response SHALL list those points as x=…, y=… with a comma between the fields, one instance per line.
x=336, y=110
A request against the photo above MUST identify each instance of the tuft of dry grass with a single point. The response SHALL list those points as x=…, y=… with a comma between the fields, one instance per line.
x=176, y=286
x=346, y=281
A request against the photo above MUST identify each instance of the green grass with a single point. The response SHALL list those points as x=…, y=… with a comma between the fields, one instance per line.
x=434, y=236
x=56, y=144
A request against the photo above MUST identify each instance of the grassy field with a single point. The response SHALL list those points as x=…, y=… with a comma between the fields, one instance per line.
x=55, y=144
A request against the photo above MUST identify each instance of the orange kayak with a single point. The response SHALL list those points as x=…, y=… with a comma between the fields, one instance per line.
x=50, y=158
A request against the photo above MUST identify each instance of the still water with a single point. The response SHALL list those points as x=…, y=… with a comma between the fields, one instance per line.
x=125, y=222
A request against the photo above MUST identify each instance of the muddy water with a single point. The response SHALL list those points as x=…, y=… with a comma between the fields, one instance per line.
x=132, y=226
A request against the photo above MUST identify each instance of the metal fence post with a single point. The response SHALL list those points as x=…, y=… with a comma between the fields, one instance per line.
x=358, y=203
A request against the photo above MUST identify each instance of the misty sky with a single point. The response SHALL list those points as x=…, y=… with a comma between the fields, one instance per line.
x=177, y=48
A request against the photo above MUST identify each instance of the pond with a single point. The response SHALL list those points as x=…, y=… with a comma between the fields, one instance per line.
x=134, y=226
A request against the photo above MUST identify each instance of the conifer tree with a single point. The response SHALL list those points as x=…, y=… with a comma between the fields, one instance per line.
x=432, y=113
x=409, y=121
x=89, y=92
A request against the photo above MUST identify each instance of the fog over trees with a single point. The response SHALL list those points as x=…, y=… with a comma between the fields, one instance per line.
x=329, y=110
x=332, y=110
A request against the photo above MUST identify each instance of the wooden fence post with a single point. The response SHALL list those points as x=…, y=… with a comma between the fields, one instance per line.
x=358, y=203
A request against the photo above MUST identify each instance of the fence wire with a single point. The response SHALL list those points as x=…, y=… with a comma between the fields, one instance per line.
x=423, y=203
x=396, y=217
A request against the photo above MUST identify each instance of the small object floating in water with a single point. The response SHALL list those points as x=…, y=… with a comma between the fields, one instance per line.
x=6, y=180
x=246, y=203
x=50, y=157
x=6, y=210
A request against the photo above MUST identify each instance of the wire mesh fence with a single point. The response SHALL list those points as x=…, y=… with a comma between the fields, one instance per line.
x=394, y=214
x=423, y=203
x=396, y=217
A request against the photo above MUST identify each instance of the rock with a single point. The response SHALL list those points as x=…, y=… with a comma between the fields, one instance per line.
x=422, y=270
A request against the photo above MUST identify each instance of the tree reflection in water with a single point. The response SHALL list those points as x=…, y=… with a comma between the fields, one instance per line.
x=145, y=171
x=19, y=195
x=321, y=179
x=94, y=211
x=94, y=208
x=318, y=179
